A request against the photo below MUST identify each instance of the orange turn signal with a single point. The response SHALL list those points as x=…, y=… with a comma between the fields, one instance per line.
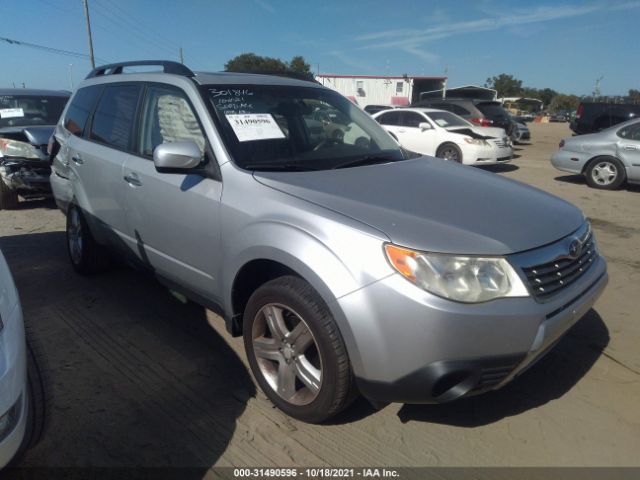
x=402, y=259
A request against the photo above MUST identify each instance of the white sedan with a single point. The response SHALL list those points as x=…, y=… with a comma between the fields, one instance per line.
x=446, y=135
x=23, y=388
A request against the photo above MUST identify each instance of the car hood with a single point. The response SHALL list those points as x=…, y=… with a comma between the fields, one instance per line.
x=433, y=205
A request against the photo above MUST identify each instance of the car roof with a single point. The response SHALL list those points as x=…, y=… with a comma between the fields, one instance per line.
x=34, y=92
x=231, y=78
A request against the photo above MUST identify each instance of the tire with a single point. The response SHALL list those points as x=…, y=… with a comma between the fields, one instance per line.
x=8, y=198
x=605, y=173
x=449, y=151
x=38, y=395
x=296, y=352
x=86, y=255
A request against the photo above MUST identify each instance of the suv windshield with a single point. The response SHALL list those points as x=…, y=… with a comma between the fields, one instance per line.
x=297, y=128
x=25, y=110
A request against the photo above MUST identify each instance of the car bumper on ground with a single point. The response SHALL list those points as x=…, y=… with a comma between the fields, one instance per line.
x=13, y=376
x=25, y=176
x=413, y=347
x=568, y=161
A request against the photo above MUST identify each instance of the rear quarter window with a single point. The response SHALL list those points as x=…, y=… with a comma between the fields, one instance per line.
x=115, y=115
x=81, y=106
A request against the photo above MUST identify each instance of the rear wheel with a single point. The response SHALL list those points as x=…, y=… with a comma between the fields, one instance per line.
x=449, y=151
x=86, y=255
x=8, y=198
x=605, y=173
x=296, y=352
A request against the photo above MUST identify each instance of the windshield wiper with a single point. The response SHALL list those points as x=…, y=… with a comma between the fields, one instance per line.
x=278, y=167
x=366, y=160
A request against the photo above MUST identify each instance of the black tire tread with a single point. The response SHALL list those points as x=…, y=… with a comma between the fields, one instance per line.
x=346, y=391
x=95, y=257
x=8, y=198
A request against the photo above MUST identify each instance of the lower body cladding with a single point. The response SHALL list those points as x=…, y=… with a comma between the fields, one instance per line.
x=409, y=346
x=26, y=177
x=13, y=401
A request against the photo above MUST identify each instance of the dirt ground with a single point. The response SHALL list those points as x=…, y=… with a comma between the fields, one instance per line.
x=140, y=379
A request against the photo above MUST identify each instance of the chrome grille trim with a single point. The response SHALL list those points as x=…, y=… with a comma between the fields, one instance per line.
x=547, y=271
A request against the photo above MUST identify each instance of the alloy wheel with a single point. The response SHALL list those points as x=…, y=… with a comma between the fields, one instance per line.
x=75, y=236
x=287, y=354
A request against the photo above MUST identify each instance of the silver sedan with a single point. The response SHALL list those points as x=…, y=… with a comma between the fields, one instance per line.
x=608, y=159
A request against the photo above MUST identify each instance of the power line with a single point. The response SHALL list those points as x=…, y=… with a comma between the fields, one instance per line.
x=57, y=51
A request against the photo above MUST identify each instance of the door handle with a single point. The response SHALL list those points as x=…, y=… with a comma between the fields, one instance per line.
x=630, y=147
x=77, y=159
x=133, y=180
x=401, y=130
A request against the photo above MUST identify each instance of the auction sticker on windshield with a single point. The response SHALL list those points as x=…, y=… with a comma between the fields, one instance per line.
x=254, y=126
x=11, y=112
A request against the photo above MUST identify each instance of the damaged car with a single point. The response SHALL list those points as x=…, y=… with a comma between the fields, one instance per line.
x=27, y=120
x=446, y=135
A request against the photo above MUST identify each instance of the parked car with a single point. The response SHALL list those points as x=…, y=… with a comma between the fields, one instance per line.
x=484, y=113
x=446, y=135
x=27, y=119
x=347, y=267
x=607, y=159
x=520, y=133
x=23, y=384
x=593, y=117
x=371, y=109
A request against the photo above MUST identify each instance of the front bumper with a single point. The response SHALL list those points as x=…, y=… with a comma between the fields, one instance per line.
x=13, y=378
x=412, y=347
x=491, y=155
x=568, y=161
x=26, y=176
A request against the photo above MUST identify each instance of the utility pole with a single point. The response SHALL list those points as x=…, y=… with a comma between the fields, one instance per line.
x=86, y=14
x=444, y=84
x=181, y=56
x=71, y=76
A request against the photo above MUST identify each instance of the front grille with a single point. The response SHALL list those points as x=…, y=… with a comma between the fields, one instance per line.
x=500, y=142
x=550, y=278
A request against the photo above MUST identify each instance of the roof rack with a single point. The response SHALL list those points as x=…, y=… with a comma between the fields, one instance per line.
x=279, y=73
x=116, y=68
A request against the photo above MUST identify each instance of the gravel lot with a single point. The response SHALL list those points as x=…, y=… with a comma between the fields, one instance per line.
x=140, y=379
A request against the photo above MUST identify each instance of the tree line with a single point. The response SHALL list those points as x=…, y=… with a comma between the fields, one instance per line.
x=509, y=86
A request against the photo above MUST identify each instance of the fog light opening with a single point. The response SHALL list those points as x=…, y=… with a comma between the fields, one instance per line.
x=454, y=385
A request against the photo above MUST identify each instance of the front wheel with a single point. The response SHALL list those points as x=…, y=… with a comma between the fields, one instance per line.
x=295, y=350
x=8, y=198
x=449, y=151
x=605, y=173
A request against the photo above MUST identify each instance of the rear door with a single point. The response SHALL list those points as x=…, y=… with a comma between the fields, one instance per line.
x=392, y=122
x=413, y=138
x=96, y=162
x=173, y=218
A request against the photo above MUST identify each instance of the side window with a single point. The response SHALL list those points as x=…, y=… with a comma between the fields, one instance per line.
x=391, y=118
x=115, y=116
x=412, y=119
x=630, y=132
x=168, y=117
x=78, y=112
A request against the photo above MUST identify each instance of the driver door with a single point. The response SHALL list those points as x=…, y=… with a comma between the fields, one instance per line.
x=414, y=138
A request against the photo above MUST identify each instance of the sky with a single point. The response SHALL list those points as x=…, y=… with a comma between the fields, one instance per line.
x=564, y=45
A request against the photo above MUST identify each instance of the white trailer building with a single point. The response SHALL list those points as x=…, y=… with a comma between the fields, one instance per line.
x=381, y=90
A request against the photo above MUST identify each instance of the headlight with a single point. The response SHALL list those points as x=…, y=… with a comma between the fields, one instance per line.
x=14, y=148
x=456, y=277
x=475, y=141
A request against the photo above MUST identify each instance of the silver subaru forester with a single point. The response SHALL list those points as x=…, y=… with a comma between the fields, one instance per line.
x=347, y=263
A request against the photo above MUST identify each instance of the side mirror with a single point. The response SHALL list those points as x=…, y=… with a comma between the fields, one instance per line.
x=425, y=126
x=177, y=157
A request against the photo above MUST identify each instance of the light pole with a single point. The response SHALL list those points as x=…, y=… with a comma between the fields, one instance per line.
x=71, y=76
